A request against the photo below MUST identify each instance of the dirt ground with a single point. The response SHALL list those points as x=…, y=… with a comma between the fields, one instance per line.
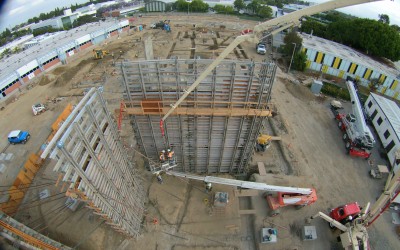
x=311, y=149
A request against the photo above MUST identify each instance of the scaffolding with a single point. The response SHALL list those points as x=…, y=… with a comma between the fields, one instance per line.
x=93, y=161
x=214, y=130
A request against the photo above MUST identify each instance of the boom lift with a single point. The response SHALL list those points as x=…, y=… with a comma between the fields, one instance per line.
x=354, y=222
x=286, y=196
x=356, y=134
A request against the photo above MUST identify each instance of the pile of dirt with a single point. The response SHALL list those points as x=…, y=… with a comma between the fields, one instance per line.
x=59, y=70
x=299, y=91
x=46, y=79
x=70, y=73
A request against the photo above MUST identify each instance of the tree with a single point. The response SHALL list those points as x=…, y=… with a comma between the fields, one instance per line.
x=198, y=6
x=84, y=19
x=265, y=12
x=253, y=6
x=383, y=18
x=300, y=61
x=6, y=33
x=317, y=28
x=289, y=39
x=239, y=4
x=181, y=5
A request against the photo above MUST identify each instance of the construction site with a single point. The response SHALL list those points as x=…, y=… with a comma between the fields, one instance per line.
x=92, y=173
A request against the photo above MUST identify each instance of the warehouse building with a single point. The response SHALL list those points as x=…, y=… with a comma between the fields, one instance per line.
x=335, y=59
x=385, y=116
x=18, y=69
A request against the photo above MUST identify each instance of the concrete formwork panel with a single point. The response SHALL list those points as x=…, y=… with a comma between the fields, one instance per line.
x=215, y=128
x=91, y=158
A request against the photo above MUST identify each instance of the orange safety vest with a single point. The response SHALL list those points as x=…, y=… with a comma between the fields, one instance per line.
x=162, y=157
x=171, y=154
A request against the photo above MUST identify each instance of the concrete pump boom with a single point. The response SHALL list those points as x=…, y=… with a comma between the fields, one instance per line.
x=291, y=19
x=242, y=184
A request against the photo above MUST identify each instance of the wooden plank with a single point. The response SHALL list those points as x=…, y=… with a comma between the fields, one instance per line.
x=261, y=169
x=204, y=111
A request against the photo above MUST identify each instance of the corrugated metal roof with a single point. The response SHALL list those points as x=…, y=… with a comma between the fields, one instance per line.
x=9, y=65
x=391, y=110
x=345, y=52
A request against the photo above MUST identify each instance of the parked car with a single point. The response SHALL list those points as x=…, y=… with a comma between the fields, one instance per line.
x=261, y=49
x=18, y=136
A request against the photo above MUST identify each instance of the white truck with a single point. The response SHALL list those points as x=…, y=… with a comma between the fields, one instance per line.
x=261, y=49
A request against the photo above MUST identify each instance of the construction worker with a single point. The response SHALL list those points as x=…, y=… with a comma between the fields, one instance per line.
x=159, y=178
x=171, y=157
x=162, y=156
x=208, y=187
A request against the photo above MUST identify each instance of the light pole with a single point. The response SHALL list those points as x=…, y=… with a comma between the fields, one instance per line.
x=188, y=2
x=291, y=59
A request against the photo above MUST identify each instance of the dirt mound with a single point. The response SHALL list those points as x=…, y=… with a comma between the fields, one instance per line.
x=59, y=70
x=70, y=73
x=301, y=92
x=46, y=79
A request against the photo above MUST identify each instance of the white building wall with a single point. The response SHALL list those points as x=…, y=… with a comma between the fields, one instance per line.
x=28, y=67
x=384, y=127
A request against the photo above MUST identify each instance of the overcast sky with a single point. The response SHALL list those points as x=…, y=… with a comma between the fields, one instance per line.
x=14, y=12
x=372, y=10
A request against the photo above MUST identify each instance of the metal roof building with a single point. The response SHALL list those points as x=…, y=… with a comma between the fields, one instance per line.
x=17, y=69
x=339, y=60
x=385, y=116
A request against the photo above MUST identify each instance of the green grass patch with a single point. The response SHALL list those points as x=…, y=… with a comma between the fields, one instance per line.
x=335, y=91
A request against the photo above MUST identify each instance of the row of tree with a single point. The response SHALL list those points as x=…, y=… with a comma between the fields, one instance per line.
x=375, y=38
x=258, y=7
x=193, y=6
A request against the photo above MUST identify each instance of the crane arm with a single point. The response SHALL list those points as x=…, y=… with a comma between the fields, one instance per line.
x=242, y=184
x=288, y=20
x=361, y=125
x=334, y=222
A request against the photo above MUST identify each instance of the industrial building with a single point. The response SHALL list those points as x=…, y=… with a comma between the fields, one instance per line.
x=385, y=117
x=155, y=6
x=60, y=22
x=19, y=69
x=335, y=59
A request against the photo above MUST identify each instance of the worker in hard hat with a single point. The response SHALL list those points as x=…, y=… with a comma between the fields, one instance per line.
x=208, y=187
x=162, y=156
x=171, y=158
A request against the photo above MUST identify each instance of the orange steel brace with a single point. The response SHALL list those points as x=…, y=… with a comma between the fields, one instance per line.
x=121, y=110
x=28, y=238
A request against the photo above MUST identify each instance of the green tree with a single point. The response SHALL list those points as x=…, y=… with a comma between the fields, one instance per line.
x=265, y=12
x=317, y=28
x=300, y=61
x=181, y=5
x=239, y=4
x=198, y=6
x=253, y=6
x=383, y=18
x=84, y=19
x=6, y=33
x=289, y=40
